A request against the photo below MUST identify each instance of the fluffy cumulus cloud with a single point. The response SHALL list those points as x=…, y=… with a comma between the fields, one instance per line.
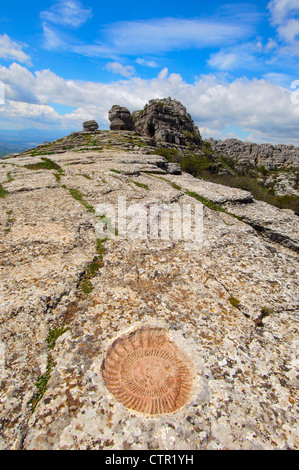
x=263, y=110
x=12, y=50
x=284, y=16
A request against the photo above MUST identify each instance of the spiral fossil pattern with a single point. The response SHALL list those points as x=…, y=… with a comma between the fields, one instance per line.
x=146, y=372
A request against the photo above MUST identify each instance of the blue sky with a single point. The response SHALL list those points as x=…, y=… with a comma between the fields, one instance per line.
x=233, y=65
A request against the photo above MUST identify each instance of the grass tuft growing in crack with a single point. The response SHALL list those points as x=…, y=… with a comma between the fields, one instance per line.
x=78, y=196
x=140, y=185
x=42, y=383
x=3, y=192
x=92, y=269
x=54, y=334
x=210, y=204
x=45, y=164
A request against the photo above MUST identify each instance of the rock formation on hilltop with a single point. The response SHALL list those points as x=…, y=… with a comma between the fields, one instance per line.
x=121, y=333
x=267, y=155
x=163, y=120
x=166, y=120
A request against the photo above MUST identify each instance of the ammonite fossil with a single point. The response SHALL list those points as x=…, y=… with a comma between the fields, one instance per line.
x=146, y=372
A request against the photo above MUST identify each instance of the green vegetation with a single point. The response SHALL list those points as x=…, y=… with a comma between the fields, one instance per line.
x=3, y=191
x=114, y=171
x=92, y=269
x=234, y=302
x=169, y=154
x=45, y=164
x=224, y=170
x=9, y=177
x=265, y=312
x=176, y=186
x=54, y=334
x=9, y=221
x=92, y=141
x=42, y=383
x=57, y=177
x=86, y=149
x=76, y=194
x=86, y=286
x=210, y=204
x=195, y=165
x=140, y=185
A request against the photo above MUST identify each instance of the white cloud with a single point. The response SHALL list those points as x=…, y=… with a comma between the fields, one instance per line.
x=124, y=70
x=12, y=50
x=252, y=55
x=224, y=60
x=260, y=108
x=167, y=34
x=55, y=40
x=284, y=16
x=290, y=30
x=52, y=39
x=138, y=38
x=147, y=62
x=281, y=10
x=67, y=13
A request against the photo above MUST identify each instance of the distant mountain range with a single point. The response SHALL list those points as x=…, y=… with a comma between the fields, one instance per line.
x=18, y=140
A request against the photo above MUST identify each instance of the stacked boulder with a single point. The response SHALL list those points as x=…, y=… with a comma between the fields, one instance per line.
x=120, y=118
x=90, y=126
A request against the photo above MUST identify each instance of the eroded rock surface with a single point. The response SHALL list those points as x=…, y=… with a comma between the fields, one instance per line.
x=267, y=155
x=230, y=304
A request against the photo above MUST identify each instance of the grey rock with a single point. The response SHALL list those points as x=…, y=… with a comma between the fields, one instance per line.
x=173, y=169
x=120, y=119
x=90, y=126
x=267, y=155
x=166, y=121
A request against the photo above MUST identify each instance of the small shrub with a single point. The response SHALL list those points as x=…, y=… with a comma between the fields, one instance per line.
x=3, y=191
x=266, y=311
x=234, y=302
x=195, y=164
x=86, y=286
x=169, y=154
